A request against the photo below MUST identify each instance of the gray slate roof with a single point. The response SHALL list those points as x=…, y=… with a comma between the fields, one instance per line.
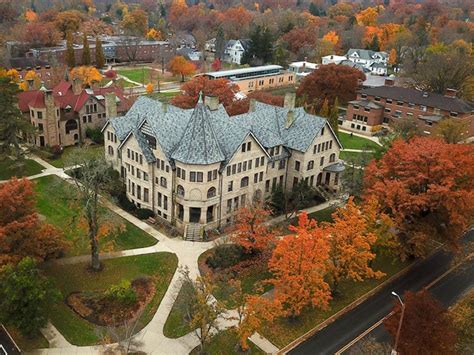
x=365, y=53
x=200, y=136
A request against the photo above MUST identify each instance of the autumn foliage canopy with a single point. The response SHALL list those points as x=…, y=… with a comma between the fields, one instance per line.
x=427, y=327
x=21, y=231
x=427, y=187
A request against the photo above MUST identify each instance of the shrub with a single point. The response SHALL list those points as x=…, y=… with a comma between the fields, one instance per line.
x=56, y=151
x=144, y=213
x=225, y=256
x=95, y=135
x=122, y=292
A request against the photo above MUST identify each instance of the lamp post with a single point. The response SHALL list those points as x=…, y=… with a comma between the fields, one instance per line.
x=397, y=337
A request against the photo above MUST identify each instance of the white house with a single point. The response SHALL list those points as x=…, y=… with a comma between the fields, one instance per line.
x=301, y=69
x=375, y=62
x=332, y=59
x=235, y=49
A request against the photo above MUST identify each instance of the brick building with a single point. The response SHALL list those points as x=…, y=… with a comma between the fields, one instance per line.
x=385, y=104
x=63, y=114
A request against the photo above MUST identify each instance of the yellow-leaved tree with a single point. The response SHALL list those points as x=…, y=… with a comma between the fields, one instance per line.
x=88, y=75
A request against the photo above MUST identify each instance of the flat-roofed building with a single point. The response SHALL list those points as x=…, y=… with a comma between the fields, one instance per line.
x=256, y=78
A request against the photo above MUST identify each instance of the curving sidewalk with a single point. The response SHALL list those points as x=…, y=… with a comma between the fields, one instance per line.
x=151, y=337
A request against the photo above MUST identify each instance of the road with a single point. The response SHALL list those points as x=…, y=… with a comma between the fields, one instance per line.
x=7, y=346
x=447, y=291
x=336, y=335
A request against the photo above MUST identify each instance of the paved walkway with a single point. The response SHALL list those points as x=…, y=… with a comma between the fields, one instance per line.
x=151, y=336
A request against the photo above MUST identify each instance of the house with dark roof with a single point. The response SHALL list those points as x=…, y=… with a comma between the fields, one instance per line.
x=195, y=167
x=63, y=114
x=382, y=105
x=235, y=49
x=372, y=61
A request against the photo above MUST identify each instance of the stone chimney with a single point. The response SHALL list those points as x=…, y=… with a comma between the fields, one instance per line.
x=31, y=84
x=450, y=92
x=165, y=107
x=289, y=102
x=77, y=86
x=290, y=118
x=51, y=118
x=110, y=105
x=212, y=102
x=252, y=104
x=389, y=82
x=48, y=98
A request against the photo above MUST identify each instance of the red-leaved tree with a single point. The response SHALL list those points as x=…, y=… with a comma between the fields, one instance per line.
x=427, y=187
x=426, y=328
x=330, y=82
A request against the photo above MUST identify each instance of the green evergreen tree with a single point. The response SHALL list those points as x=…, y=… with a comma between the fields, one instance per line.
x=260, y=50
x=375, y=45
x=86, y=52
x=25, y=297
x=12, y=123
x=333, y=116
x=315, y=10
x=99, y=54
x=324, y=111
x=220, y=43
x=70, y=55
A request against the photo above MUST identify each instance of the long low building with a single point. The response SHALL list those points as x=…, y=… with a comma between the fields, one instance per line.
x=256, y=78
x=194, y=168
x=386, y=104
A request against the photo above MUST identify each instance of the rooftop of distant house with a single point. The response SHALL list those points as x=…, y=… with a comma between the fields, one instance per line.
x=247, y=72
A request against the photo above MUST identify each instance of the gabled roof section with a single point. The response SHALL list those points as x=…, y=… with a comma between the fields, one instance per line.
x=198, y=144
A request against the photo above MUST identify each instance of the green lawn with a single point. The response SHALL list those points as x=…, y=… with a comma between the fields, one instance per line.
x=175, y=325
x=283, y=331
x=164, y=96
x=8, y=169
x=27, y=343
x=324, y=215
x=140, y=75
x=281, y=91
x=53, y=203
x=356, y=157
x=67, y=155
x=356, y=142
x=224, y=343
x=72, y=278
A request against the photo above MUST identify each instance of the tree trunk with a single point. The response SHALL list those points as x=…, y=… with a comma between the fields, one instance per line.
x=93, y=230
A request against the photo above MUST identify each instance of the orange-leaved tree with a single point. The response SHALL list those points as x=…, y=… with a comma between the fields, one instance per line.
x=22, y=233
x=149, y=88
x=251, y=231
x=88, y=75
x=350, y=246
x=252, y=312
x=427, y=327
x=299, y=264
x=427, y=187
x=180, y=66
x=222, y=88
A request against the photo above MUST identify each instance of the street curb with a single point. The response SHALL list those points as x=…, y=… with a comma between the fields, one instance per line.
x=351, y=306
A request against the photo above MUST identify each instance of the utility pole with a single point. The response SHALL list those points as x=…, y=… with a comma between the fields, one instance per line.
x=397, y=337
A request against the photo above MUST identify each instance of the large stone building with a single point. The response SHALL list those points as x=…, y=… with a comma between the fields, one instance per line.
x=196, y=167
x=386, y=104
x=63, y=114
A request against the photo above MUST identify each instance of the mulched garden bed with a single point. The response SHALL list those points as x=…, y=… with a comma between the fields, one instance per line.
x=100, y=310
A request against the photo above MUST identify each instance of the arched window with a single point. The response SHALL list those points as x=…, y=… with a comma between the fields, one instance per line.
x=332, y=158
x=111, y=150
x=211, y=192
x=244, y=182
x=70, y=126
x=163, y=181
x=310, y=164
x=180, y=190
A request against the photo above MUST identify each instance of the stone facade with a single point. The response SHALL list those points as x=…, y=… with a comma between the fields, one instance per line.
x=63, y=115
x=198, y=167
